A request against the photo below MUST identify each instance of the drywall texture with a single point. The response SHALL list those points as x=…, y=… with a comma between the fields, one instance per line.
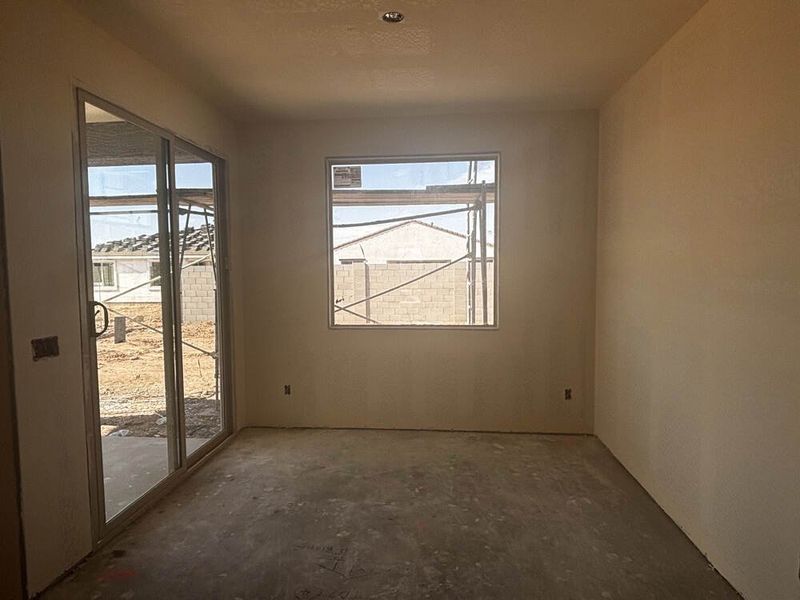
x=512, y=378
x=45, y=49
x=326, y=58
x=698, y=299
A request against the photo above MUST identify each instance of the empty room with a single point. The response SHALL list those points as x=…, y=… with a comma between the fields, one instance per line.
x=351, y=299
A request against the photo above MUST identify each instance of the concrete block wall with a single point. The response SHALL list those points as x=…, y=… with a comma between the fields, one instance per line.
x=440, y=298
x=198, y=290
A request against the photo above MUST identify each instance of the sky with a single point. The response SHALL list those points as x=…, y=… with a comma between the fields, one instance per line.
x=141, y=179
x=410, y=176
x=130, y=180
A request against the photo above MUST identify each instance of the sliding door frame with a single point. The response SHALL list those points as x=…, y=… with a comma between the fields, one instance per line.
x=222, y=312
x=180, y=466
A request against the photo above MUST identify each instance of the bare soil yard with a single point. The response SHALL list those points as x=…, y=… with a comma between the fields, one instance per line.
x=131, y=376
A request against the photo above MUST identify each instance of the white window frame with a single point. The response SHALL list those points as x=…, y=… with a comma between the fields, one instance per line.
x=330, y=162
x=102, y=286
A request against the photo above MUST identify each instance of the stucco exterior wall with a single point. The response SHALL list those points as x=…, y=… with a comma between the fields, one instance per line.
x=129, y=273
x=410, y=241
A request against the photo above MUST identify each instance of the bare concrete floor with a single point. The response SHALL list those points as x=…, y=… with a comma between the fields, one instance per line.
x=133, y=465
x=321, y=514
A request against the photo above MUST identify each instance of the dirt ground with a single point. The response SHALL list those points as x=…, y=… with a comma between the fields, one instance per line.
x=131, y=376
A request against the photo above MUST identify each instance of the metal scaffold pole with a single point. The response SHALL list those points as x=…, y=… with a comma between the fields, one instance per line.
x=474, y=200
x=472, y=265
x=338, y=307
x=484, y=287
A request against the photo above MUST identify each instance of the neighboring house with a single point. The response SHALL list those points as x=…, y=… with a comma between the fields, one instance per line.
x=389, y=257
x=120, y=265
x=410, y=241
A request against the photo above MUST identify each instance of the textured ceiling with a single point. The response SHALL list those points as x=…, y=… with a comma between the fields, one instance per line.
x=309, y=59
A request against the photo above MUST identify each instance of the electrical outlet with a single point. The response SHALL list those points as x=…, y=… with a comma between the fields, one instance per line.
x=287, y=390
x=568, y=394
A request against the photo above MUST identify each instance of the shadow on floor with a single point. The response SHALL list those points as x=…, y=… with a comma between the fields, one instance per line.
x=133, y=465
x=320, y=514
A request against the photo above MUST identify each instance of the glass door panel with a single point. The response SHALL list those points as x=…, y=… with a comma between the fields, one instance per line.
x=125, y=168
x=194, y=220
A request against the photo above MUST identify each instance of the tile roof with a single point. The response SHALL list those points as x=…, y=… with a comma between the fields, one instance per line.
x=196, y=241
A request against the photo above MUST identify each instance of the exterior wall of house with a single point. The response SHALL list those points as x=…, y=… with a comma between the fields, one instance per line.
x=440, y=298
x=198, y=287
x=411, y=241
x=129, y=273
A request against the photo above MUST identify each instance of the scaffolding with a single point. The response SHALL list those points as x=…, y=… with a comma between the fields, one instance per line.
x=475, y=197
x=192, y=208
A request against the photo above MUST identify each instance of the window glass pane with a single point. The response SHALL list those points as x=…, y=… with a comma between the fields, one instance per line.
x=202, y=375
x=132, y=365
x=413, y=242
x=155, y=272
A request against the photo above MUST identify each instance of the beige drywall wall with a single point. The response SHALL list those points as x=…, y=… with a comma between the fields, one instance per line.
x=698, y=296
x=45, y=49
x=509, y=379
x=11, y=561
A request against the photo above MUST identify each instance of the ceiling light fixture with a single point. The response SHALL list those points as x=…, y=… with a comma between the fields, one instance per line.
x=393, y=16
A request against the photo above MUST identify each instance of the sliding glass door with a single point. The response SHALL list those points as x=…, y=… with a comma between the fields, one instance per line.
x=153, y=291
x=194, y=218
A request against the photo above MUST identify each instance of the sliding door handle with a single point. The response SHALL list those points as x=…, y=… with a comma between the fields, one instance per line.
x=99, y=308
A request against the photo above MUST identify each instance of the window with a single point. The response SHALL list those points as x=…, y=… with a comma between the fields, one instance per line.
x=155, y=272
x=412, y=241
x=104, y=274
